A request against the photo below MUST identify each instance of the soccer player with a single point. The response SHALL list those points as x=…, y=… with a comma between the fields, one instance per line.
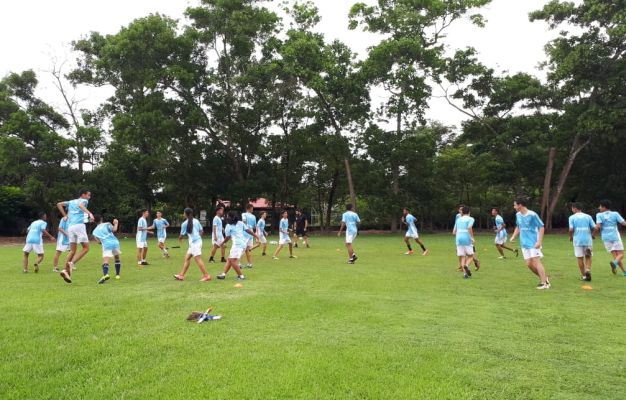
x=581, y=227
x=105, y=234
x=300, y=226
x=476, y=261
x=161, y=224
x=350, y=221
x=501, y=235
x=531, y=229
x=63, y=243
x=411, y=232
x=76, y=213
x=217, y=235
x=608, y=223
x=249, y=220
x=283, y=238
x=464, y=232
x=193, y=230
x=142, y=238
x=236, y=230
x=260, y=232
x=34, y=240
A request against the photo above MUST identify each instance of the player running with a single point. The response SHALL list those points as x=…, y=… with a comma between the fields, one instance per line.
x=63, y=243
x=300, y=226
x=236, y=230
x=193, y=230
x=142, y=238
x=464, y=232
x=76, y=214
x=34, y=241
x=531, y=230
x=105, y=235
x=249, y=220
x=501, y=234
x=411, y=232
x=217, y=235
x=476, y=261
x=350, y=221
x=261, y=233
x=283, y=236
x=161, y=224
x=608, y=223
x=581, y=228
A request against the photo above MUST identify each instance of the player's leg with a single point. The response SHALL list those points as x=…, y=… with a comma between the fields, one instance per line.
x=504, y=246
x=475, y=259
x=205, y=275
x=581, y=266
x=407, y=242
x=70, y=256
x=588, y=257
x=291, y=250
x=264, y=248
x=461, y=259
x=84, y=250
x=277, y=251
x=305, y=237
x=499, y=247
x=139, y=253
x=618, y=258
x=55, y=261
x=541, y=271
x=421, y=244
x=144, y=253
x=25, y=262
x=105, y=268
x=223, y=247
x=186, y=262
x=118, y=264
x=39, y=260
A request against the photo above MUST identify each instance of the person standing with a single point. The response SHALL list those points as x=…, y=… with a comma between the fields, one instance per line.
x=142, y=238
x=77, y=213
x=300, y=227
x=350, y=220
x=34, y=241
x=161, y=224
x=249, y=220
x=581, y=228
x=475, y=259
x=235, y=230
x=217, y=235
x=261, y=233
x=193, y=230
x=283, y=238
x=464, y=239
x=501, y=234
x=608, y=223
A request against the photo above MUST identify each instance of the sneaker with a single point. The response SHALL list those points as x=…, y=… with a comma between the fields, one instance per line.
x=516, y=251
x=24, y=271
x=588, y=276
x=223, y=259
x=241, y=277
x=104, y=279
x=179, y=277
x=205, y=278
x=249, y=266
x=354, y=258
x=468, y=272
x=350, y=261
x=425, y=253
x=408, y=253
x=543, y=286
x=502, y=258
x=293, y=257
x=36, y=268
x=476, y=265
x=295, y=245
x=221, y=276
x=212, y=261
x=55, y=269
x=117, y=277
x=144, y=263
x=613, y=265
x=263, y=254
x=66, y=277
x=582, y=278
x=466, y=276
x=274, y=258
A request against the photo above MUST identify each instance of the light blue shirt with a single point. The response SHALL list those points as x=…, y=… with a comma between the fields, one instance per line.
x=528, y=226
x=610, y=221
x=75, y=215
x=104, y=233
x=236, y=233
x=582, y=225
x=250, y=221
x=161, y=225
x=260, y=227
x=142, y=236
x=62, y=239
x=410, y=222
x=194, y=236
x=462, y=226
x=283, y=227
x=351, y=219
x=501, y=234
x=35, y=232
x=217, y=222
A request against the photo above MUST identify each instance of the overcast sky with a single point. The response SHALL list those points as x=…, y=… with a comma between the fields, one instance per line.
x=35, y=31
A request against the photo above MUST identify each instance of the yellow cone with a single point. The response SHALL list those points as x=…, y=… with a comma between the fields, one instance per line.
x=238, y=285
x=586, y=287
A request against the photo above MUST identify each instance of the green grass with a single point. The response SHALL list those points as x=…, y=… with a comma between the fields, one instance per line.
x=391, y=326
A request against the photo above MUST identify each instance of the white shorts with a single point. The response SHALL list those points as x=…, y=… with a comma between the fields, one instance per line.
x=282, y=241
x=63, y=247
x=579, y=251
x=162, y=239
x=262, y=239
x=250, y=242
x=350, y=238
x=500, y=240
x=412, y=235
x=111, y=253
x=464, y=251
x=141, y=244
x=195, y=248
x=30, y=247
x=219, y=242
x=532, y=253
x=236, y=252
x=614, y=246
x=78, y=233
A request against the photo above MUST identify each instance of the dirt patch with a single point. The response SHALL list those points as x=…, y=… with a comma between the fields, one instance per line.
x=11, y=241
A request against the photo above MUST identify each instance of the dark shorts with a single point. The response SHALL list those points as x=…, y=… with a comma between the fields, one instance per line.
x=301, y=232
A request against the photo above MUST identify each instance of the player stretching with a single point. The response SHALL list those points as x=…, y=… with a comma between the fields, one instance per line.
x=476, y=261
x=235, y=230
x=411, y=232
x=260, y=232
x=283, y=236
x=63, y=243
x=76, y=212
x=34, y=240
x=530, y=228
x=193, y=230
x=105, y=234
x=581, y=226
x=464, y=232
x=608, y=223
x=217, y=235
x=501, y=235
x=249, y=221
x=300, y=226
x=142, y=238
x=161, y=224
x=350, y=220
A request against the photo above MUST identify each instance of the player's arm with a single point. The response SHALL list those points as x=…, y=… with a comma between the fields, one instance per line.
x=252, y=233
x=515, y=233
x=63, y=231
x=82, y=207
x=306, y=224
x=341, y=228
x=45, y=231
x=115, y=225
x=471, y=233
x=571, y=233
x=61, y=208
x=542, y=230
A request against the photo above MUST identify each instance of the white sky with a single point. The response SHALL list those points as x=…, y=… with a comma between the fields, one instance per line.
x=35, y=31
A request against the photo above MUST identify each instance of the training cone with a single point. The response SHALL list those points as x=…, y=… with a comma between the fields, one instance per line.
x=338, y=250
x=238, y=285
x=586, y=287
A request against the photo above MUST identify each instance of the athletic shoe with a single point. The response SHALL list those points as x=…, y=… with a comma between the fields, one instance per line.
x=249, y=266
x=104, y=279
x=263, y=254
x=274, y=258
x=293, y=257
x=516, y=253
x=408, y=253
x=425, y=253
x=295, y=245
x=502, y=258
x=55, y=269
x=179, y=277
x=543, y=286
x=66, y=277
x=583, y=278
x=588, y=276
x=205, y=278
x=212, y=261
x=221, y=276
x=308, y=247
x=241, y=277
x=24, y=271
x=36, y=268
x=223, y=259
x=350, y=261
x=144, y=263
x=117, y=277
x=465, y=276
x=476, y=265
x=624, y=273
x=468, y=272
x=354, y=257
x=613, y=265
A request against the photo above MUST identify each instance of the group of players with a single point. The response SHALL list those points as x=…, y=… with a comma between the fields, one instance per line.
x=243, y=230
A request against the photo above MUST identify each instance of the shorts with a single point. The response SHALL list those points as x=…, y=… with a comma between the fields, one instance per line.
x=63, y=247
x=162, y=239
x=250, y=243
x=532, y=253
x=236, y=252
x=111, y=252
x=30, y=247
x=282, y=241
x=78, y=233
x=614, y=246
x=218, y=243
x=195, y=248
x=350, y=238
x=301, y=233
x=464, y=251
x=500, y=240
x=579, y=251
x=141, y=244
x=262, y=239
x=412, y=235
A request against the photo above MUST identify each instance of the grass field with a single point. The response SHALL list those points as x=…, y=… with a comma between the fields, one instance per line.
x=391, y=326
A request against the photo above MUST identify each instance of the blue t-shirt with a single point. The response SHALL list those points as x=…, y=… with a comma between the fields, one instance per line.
x=260, y=227
x=104, y=233
x=610, y=221
x=283, y=227
x=582, y=225
x=500, y=234
x=217, y=222
x=351, y=219
x=250, y=221
x=35, y=232
x=194, y=236
x=161, y=225
x=62, y=239
x=142, y=236
x=410, y=222
x=237, y=234
x=462, y=226
x=75, y=215
x=528, y=226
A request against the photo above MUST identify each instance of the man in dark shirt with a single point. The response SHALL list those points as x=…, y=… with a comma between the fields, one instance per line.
x=300, y=227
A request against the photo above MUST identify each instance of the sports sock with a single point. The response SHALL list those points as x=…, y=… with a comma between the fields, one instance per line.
x=211, y=259
x=105, y=269
x=118, y=267
x=409, y=247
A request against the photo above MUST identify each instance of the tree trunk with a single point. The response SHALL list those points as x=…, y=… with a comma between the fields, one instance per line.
x=547, y=182
x=331, y=197
x=350, y=185
x=395, y=189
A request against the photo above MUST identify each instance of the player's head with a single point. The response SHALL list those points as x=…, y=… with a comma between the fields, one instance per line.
x=605, y=205
x=465, y=210
x=495, y=211
x=284, y=214
x=249, y=208
x=189, y=215
x=519, y=204
x=219, y=211
x=264, y=215
x=42, y=215
x=98, y=218
x=84, y=194
x=460, y=208
x=406, y=211
x=145, y=213
x=577, y=207
x=232, y=217
x=298, y=211
x=159, y=214
x=349, y=207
